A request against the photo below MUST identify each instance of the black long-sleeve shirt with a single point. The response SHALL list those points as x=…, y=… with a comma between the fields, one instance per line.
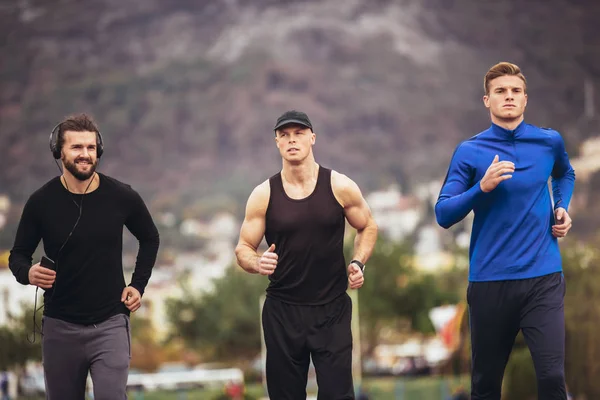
x=89, y=269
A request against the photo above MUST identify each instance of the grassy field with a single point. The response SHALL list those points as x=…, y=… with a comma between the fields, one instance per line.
x=429, y=388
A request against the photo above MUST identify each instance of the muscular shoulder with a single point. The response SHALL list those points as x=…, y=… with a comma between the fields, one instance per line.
x=259, y=199
x=345, y=190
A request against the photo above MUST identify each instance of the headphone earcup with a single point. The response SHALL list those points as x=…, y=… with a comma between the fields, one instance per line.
x=53, y=145
x=99, y=145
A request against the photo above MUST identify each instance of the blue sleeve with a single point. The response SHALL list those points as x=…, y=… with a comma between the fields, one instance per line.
x=563, y=175
x=458, y=195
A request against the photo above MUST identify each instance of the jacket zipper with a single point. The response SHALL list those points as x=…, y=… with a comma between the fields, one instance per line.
x=514, y=147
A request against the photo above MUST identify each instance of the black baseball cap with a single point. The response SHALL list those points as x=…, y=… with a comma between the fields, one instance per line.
x=293, y=117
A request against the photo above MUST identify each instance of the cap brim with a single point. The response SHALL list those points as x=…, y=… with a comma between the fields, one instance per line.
x=291, y=121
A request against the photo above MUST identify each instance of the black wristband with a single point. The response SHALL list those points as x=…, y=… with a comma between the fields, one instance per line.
x=360, y=265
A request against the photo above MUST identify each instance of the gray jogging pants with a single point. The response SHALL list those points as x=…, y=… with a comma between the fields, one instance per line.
x=70, y=351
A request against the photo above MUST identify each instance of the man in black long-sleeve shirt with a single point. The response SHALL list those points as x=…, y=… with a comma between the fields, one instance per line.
x=79, y=216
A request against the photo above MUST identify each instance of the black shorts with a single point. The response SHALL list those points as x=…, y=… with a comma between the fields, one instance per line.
x=294, y=333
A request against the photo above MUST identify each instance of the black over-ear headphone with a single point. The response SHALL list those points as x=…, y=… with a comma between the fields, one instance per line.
x=55, y=149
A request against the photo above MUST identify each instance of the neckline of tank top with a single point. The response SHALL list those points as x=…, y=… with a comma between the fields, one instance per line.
x=319, y=175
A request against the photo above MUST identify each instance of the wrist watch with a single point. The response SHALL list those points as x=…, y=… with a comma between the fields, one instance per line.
x=360, y=265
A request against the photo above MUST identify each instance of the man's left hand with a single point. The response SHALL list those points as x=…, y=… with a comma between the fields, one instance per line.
x=563, y=222
x=132, y=298
x=355, y=276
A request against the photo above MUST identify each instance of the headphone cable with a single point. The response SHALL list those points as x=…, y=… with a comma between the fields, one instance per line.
x=80, y=207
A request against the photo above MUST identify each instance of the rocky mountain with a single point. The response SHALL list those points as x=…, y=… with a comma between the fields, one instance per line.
x=186, y=92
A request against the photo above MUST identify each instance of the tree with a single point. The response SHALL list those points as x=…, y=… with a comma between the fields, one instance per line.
x=394, y=291
x=581, y=265
x=519, y=378
x=146, y=352
x=16, y=349
x=224, y=323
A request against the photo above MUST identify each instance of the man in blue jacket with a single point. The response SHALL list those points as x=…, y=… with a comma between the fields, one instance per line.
x=515, y=275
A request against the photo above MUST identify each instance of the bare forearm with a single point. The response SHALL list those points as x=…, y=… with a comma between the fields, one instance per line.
x=365, y=242
x=247, y=258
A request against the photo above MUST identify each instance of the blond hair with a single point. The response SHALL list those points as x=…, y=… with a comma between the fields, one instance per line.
x=502, y=69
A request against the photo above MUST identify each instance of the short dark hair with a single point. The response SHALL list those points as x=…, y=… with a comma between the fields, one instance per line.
x=77, y=123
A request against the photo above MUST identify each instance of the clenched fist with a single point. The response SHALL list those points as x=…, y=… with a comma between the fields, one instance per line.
x=267, y=263
x=41, y=277
x=355, y=276
x=131, y=298
x=563, y=223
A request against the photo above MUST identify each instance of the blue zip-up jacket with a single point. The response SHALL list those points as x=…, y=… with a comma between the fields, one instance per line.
x=512, y=229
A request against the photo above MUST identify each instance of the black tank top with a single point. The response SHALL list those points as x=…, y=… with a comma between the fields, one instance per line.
x=309, y=239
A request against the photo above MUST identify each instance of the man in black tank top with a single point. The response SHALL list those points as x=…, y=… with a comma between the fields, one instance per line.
x=302, y=212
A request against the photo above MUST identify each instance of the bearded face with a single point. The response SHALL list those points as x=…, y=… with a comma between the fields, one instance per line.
x=79, y=155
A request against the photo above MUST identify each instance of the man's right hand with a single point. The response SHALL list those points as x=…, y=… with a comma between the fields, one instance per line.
x=41, y=277
x=496, y=174
x=267, y=263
